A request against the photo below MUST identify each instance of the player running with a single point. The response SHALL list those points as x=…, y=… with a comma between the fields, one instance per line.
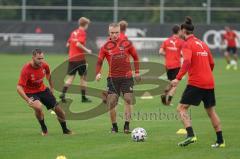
x=117, y=51
x=32, y=89
x=198, y=62
x=171, y=49
x=77, y=62
x=230, y=37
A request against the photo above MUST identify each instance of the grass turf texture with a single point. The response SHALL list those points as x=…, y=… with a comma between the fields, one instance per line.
x=20, y=133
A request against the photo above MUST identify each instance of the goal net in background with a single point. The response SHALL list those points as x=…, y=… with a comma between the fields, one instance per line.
x=147, y=47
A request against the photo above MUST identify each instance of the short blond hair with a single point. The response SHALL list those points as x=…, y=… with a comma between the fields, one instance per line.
x=123, y=25
x=83, y=21
x=114, y=25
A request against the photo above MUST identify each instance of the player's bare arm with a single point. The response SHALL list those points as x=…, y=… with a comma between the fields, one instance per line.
x=161, y=51
x=23, y=95
x=81, y=46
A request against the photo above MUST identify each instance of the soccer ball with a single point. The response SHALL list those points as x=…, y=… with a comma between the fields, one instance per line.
x=139, y=134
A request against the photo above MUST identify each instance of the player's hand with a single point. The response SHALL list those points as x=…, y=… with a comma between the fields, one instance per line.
x=30, y=102
x=174, y=82
x=89, y=51
x=98, y=77
x=137, y=77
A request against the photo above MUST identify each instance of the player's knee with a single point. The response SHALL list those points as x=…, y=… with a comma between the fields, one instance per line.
x=112, y=102
x=58, y=109
x=128, y=100
x=181, y=108
x=226, y=53
x=69, y=80
x=38, y=110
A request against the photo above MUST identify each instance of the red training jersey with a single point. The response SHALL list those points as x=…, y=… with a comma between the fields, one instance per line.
x=31, y=79
x=76, y=53
x=198, y=62
x=172, y=47
x=122, y=35
x=230, y=37
x=118, y=55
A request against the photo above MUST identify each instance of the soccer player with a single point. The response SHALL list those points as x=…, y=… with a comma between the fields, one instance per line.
x=77, y=62
x=198, y=62
x=123, y=27
x=118, y=51
x=171, y=49
x=32, y=89
x=230, y=37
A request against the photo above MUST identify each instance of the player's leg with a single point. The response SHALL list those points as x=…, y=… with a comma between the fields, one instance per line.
x=112, y=100
x=228, y=58
x=182, y=110
x=191, y=96
x=72, y=69
x=126, y=87
x=67, y=84
x=183, y=114
x=235, y=58
x=170, y=91
x=37, y=107
x=82, y=71
x=128, y=100
x=83, y=86
x=48, y=99
x=61, y=118
x=209, y=103
x=217, y=127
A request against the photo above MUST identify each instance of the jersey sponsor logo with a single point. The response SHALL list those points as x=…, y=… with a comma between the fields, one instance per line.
x=199, y=44
x=173, y=47
x=204, y=53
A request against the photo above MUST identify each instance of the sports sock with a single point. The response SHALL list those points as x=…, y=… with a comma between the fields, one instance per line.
x=64, y=90
x=219, y=137
x=43, y=125
x=126, y=125
x=114, y=125
x=190, y=132
x=63, y=125
x=83, y=91
x=169, y=98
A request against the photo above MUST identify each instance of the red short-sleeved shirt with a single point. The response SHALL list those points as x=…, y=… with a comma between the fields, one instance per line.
x=201, y=63
x=122, y=35
x=31, y=79
x=172, y=47
x=76, y=53
x=230, y=37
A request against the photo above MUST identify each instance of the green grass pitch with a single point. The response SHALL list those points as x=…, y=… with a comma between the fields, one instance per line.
x=20, y=133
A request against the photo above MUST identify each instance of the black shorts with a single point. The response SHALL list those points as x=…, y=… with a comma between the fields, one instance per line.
x=193, y=96
x=120, y=84
x=172, y=73
x=232, y=50
x=77, y=66
x=46, y=97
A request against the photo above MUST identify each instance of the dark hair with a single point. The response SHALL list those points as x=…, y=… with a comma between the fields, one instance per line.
x=188, y=25
x=175, y=29
x=123, y=25
x=36, y=51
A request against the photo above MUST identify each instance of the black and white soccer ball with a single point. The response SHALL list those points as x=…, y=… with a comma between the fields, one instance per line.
x=139, y=134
